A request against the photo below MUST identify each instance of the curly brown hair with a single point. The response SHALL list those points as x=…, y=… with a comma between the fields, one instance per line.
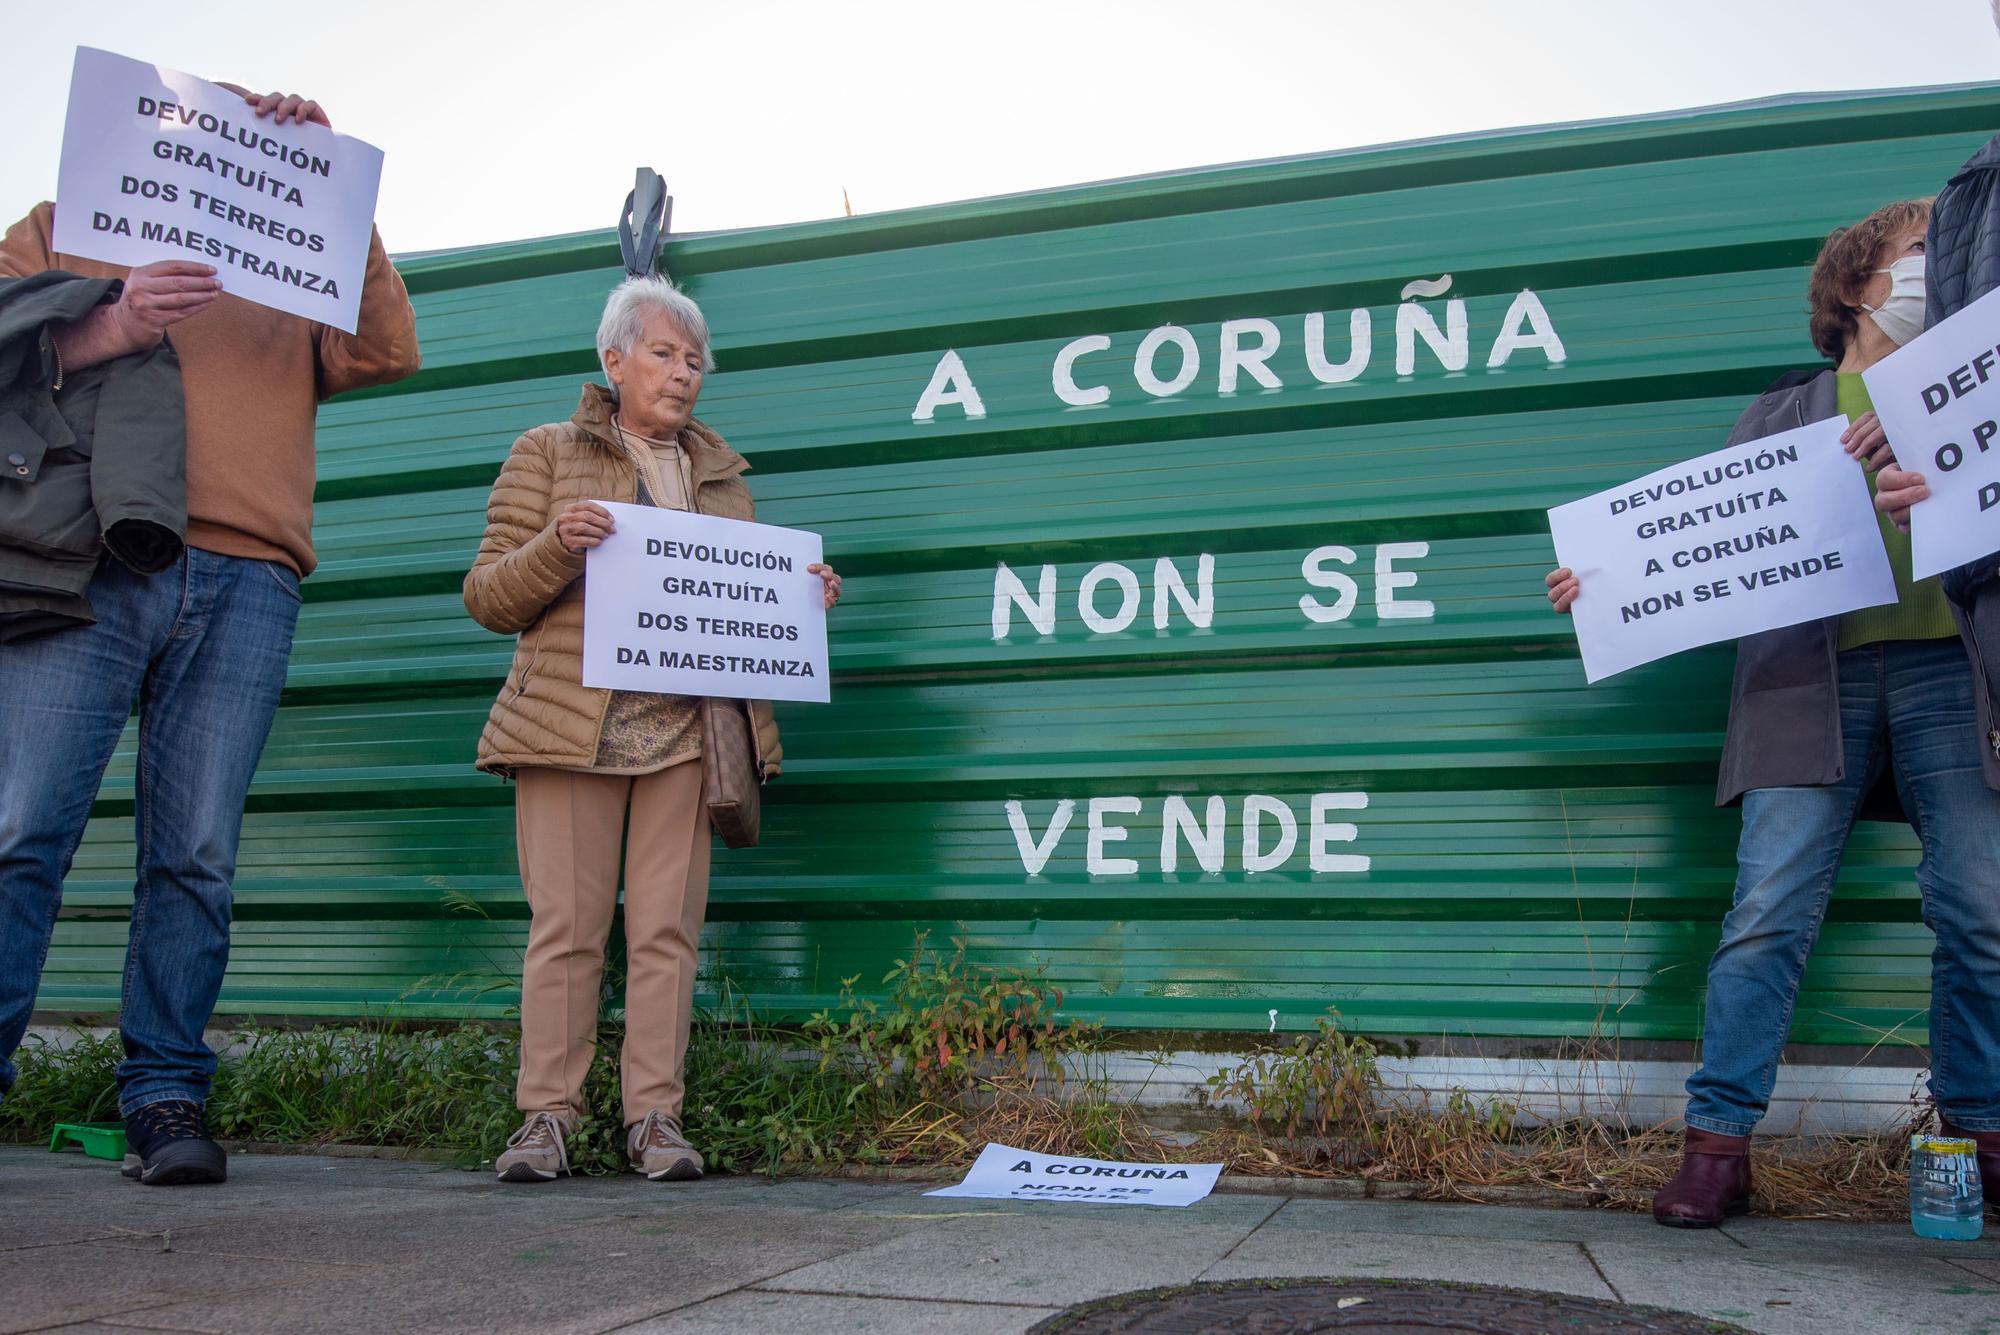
x=1843, y=267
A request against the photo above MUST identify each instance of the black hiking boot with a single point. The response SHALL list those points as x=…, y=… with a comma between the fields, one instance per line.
x=167, y=1145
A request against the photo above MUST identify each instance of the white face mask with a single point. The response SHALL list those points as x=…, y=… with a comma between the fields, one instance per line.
x=1901, y=315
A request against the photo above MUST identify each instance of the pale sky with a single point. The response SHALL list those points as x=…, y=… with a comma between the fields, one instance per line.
x=506, y=120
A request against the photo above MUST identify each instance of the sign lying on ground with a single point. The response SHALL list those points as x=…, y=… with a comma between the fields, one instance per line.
x=686, y=604
x=1939, y=404
x=1003, y=1173
x=160, y=165
x=1747, y=539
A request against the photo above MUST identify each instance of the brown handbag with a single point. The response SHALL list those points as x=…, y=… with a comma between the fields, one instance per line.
x=731, y=787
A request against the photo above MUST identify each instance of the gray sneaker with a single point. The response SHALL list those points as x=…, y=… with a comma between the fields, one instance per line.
x=536, y=1152
x=657, y=1148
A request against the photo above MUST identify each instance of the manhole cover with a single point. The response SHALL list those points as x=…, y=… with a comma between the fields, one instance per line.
x=1367, y=1307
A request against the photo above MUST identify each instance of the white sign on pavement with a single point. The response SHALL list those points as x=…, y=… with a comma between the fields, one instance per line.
x=1003, y=1173
x=1939, y=400
x=687, y=604
x=160, y=165
x=1750, y=538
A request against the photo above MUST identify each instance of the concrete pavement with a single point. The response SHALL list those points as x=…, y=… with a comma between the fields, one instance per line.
x=323, y=1244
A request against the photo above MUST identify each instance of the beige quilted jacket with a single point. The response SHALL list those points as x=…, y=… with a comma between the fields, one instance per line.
x=526, y=583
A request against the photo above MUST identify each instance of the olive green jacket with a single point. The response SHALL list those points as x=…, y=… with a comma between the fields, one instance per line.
x=92, y=462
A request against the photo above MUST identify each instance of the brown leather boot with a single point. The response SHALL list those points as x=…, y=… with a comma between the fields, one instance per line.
x=1712, y=1185
x=1989, y=1158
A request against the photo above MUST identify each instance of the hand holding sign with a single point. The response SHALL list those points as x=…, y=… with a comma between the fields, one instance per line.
x=278, y=106
x=583, y=525
x=1564, y=586
x=1868, y=441
x=155, y=298
x=160, y=295
x=831, y=581
x=1939, y=398
x=1898, y=491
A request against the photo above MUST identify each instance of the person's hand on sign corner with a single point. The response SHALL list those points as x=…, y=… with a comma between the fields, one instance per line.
x=1564, y=586
x=159, y=295
x=1867, y=441
x=583, y=525
x=829, y=579
x=156, y=297
x=281, y=107
x=1896, y=490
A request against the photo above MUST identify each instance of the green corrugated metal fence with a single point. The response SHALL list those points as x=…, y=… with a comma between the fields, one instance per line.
x=1543, y=858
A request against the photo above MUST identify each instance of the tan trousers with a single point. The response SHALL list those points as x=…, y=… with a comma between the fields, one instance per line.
x=570, y=828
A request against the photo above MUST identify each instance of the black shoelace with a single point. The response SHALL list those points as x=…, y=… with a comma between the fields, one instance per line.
x=177, y=1120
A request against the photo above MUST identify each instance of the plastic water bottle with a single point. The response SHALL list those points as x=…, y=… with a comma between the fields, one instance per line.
x=1945, y=1197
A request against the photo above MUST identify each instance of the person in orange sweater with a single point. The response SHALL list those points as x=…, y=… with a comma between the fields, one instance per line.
x=201, y=648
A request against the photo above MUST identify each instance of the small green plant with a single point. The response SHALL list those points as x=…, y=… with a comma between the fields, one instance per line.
x=383, y=1083
x=1327, y=1081
x=760, y=1098
x=61, y=1082
x=945, y=1027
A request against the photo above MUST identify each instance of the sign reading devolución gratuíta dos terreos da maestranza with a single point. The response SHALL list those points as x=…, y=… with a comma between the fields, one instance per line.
x=160, y=165
x=1750, y=538
x=686, y=604
x=1939, y=401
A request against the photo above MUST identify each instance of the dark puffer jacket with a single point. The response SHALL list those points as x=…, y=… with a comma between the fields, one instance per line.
x=92, y=461
x=1961, y=265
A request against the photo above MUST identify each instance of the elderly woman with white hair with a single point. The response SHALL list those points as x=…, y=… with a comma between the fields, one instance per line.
x=598, y=772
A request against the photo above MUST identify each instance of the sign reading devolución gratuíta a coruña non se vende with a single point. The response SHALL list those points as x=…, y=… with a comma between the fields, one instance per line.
x=1749, y=538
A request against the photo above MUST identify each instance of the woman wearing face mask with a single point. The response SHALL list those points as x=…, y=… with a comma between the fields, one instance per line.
x=1829, y=721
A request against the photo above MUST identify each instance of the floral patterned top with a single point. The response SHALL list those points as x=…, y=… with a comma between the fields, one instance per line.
x=644, y=732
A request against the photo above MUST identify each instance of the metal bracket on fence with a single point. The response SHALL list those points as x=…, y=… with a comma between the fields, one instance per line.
x=649, y=210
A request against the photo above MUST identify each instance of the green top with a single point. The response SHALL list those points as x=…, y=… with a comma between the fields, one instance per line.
x=1920, y=611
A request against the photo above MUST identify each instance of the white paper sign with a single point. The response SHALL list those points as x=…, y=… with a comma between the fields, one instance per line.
x=1746, y=539
x=1939, y=400
x=1006, y=1174
x=688, y=604
x=160, y=165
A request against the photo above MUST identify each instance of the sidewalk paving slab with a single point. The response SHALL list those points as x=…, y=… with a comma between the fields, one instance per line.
x=55, y=1286
x=1426, y=1219
x=1797, y=1236
x=1855, y=1290
x=1043, y=1253
x=581, y=1276
x=781, y=1313
x=1550, y=1267
x=354, y=1245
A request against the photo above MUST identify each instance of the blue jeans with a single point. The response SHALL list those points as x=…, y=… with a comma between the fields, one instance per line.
x=201, y=649
x=1907, y=703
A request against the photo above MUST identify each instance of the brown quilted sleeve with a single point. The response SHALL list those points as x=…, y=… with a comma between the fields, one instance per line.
x=522, y=567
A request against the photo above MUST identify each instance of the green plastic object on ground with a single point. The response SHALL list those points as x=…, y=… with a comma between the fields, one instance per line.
x=100, y=1140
